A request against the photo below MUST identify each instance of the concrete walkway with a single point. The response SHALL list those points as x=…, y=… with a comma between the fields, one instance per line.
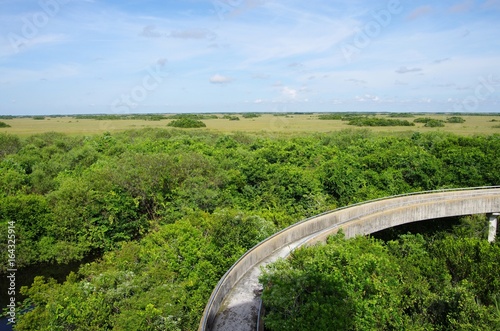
x=244, y=298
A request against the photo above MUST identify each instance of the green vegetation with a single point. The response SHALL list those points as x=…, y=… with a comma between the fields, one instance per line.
x=376, y=121
x=231, y=117
x=340, y=116
x=171, y=210
x=434, y=123
x=4, y=125
x=194, y=116
x=422, y=119
x=276, y=122
x=331, y=117
x=401, y=115
x=443, y=282
x=187, y=122
x=146, y=117
x=455, y=119
x=251, y=115
x=39, y=118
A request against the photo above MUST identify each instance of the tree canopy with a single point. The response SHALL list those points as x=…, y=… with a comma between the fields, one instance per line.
x=170, y=210
x=445, y=282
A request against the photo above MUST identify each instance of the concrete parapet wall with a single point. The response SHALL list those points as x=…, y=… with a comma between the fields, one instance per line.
x=359, y=219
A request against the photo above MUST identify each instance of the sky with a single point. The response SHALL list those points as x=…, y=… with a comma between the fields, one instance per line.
x=149, y=56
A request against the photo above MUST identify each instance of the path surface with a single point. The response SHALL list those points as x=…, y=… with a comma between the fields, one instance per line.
x=244, y=298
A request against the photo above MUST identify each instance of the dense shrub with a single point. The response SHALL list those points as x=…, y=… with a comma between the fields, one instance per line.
x=375, y=121
x=401, y=115
x=231, y=117
x=330, y=117
x=250, y=115
x=455, y=119
x=445, y=282
x=187, y=122
x=422, y=119
x=434, y=123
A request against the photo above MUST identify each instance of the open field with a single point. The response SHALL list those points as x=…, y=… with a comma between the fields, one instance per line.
x=294, y=123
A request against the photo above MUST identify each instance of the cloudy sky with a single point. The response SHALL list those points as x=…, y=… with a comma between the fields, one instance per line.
x=148, y=56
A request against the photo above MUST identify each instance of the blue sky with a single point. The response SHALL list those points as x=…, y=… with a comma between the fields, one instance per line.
x=131, y=56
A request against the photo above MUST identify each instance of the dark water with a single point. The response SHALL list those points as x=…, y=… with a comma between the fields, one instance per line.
x=25, y=277
x=4, y=326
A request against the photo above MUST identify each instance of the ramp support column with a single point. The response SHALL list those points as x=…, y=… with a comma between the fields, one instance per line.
x=492, y=232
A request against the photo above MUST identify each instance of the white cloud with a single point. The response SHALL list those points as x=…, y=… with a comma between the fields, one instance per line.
x=438, y=61
x=151, y=31
x=367, y=97
x=220, y=79
x=289, y=92
x=14, y=43
x=404, y=70
x=193, y=34
x=358, y=82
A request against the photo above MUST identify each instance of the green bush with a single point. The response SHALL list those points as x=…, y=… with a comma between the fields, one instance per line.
x=4, y=125
x=434, y=123
x=114, y=117
x=375, y=121
x=330, y=117
x=187, y=122
x=231, y=117
x=194, y=116
x=455, y=119
x=250, y=115
x=422, y=120
x=401, y=115
x=411, y=283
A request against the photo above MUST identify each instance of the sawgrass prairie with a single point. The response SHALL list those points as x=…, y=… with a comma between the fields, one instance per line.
x=279, y=123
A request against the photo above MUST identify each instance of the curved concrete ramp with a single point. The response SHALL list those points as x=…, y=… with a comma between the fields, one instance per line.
x=235, y=301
